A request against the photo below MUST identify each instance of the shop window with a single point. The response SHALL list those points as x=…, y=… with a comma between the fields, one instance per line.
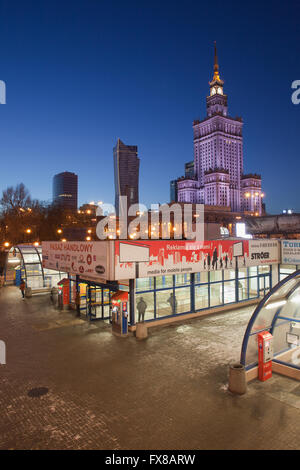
x=253, y=285
x=253, y=271
x=201, y=278
x=201, y=297
x=264, y=269
x=243, y=289
x=216, y=294
x=229, y=292
x=243, y=272
x=144, y=303
x=229, y=274
x=215, y=276
x=144, y=284
x=286, y=269
x=183, y=299
x=165, y=305
x=182, y=279
x=164, y=281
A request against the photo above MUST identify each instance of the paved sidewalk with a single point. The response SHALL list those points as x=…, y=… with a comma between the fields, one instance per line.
x=168, y=392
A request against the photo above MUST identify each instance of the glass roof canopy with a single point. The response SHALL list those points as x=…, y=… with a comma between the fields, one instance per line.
x=29, y=259
x=279, y=313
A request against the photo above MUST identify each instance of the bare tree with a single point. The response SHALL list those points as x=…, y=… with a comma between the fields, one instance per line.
x=16, y=198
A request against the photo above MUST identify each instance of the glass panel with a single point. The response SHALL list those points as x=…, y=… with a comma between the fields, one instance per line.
x=106, y=296
x=262, y=285
x=216, y=297
x=35, y=282
x=253, y=270
x=96, y=311
x=284, y=332
x=165, y=303
x=31, y=258
x=33, y=269
x=144, y=284
x=283, y=290
x=288, y=268
x=263, y=269
x=183, y=300
x=229, y=292
x=252, y=350
x=201, y=297
x=229, y=274
x=106, y=311
x=253, y=284
x=182, y=279
x=243, y=272
x=164, y=281
x=265, y=317
x=201, y=277
x=215, y=276
x=144, y=306
x=243, y=289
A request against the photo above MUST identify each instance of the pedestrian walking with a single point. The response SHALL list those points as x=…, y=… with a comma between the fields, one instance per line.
x=141, y=306
x=22, y=288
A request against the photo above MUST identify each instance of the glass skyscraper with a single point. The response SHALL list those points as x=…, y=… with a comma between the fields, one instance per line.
x=126, y=169
x=65, y=190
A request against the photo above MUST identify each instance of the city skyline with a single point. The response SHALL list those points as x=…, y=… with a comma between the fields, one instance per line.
x=68, y=102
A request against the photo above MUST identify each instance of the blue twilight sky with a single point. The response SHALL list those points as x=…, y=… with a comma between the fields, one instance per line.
x=82, y=73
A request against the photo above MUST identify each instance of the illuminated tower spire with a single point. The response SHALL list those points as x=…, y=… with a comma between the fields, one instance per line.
x=216, y=65
x=216, y=102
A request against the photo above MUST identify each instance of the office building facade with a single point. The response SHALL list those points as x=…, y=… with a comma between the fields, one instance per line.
x=65, y=190
x=126, y=171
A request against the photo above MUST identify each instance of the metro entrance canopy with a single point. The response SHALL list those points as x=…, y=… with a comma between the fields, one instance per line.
x=279, y=313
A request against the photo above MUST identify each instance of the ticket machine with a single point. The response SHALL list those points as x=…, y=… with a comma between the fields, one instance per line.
x=265, y=355
x=119, y=310
x=63, y=294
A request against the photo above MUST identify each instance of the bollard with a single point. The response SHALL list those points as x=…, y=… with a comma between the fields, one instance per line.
x=237, y=379
x=28, y=292
x=141, y=331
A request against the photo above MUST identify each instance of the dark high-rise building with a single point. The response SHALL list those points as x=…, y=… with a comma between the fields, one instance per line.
x=189, y=169
x=173, y=190
x=65, y=190
x=126, y=168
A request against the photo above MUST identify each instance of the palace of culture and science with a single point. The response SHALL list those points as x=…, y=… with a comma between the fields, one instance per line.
x=217, y=178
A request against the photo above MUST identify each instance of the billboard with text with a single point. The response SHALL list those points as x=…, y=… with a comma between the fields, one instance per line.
x=87, y=259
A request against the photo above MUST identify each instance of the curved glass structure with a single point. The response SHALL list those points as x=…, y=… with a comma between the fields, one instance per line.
x=26, y=262
x=279, y=313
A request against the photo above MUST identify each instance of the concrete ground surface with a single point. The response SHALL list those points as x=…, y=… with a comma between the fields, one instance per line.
x=167, y=392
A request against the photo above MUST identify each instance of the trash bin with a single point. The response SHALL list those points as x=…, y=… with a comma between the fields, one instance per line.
x=237, y=379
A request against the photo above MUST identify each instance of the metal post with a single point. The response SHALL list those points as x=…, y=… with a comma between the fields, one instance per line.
x=132, y=300
x=192, y=292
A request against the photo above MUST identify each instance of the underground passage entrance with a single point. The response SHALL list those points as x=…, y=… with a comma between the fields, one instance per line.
x=279, y=314
x=95, y=298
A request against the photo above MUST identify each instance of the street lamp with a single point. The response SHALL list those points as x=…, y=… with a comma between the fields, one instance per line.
x=28, y=230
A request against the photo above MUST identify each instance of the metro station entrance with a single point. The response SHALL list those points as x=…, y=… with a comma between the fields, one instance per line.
x=95, y=298
x=98, y=303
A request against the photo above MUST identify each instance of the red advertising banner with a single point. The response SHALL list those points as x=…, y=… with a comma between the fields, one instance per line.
x=160, y=257
x=178, y=256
